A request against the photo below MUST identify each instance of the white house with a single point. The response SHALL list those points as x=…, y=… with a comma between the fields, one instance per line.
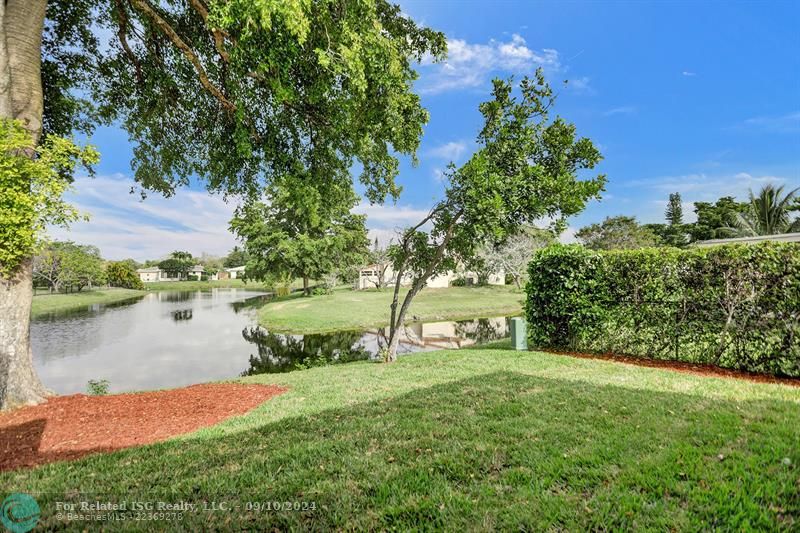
x=154, y=274
x=235, y=272
x=781, y=237
x=369, y=275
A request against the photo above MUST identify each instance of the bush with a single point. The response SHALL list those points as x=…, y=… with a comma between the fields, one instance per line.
x=735, y=306
x=122, y=274
x=97, y=387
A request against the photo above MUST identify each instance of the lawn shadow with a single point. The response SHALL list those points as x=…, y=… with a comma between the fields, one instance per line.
x=498, y=451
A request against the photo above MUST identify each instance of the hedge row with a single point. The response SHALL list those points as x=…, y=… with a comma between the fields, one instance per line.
x=734, y=306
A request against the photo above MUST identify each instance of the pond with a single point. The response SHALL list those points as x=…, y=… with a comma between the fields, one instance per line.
x=176, y=338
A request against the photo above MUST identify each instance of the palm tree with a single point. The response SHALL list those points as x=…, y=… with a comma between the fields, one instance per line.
x=769, y=212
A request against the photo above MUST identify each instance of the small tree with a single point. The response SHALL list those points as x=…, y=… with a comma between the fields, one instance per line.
x=302, y=229
x=513, y=255
x=674, y=211
x=176, y=267
x=381, y=259
x=525, y=169
x=122, y=274
x=617, y=233
x=82, y=266
x=769, y=212
x=237, y=257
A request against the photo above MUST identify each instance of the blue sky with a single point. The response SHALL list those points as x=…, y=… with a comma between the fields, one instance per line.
x=701, y=98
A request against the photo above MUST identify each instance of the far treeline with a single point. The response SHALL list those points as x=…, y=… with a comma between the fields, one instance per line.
x=63, y=266
x=771, y=211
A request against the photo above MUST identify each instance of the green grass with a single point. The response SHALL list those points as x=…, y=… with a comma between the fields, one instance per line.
x=349, y=309
x=470, y=440
x=204, y=285
x=53, y=303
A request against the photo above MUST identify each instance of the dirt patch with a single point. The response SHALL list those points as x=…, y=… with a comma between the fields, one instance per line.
x=70, y=427
x=688, y=368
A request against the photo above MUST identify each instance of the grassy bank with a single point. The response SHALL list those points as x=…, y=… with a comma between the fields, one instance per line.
x=53, y=303
x=204, y=285
x=473, y=440
x=348, y=309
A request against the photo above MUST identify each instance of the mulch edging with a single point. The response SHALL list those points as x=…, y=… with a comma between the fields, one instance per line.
x=70, y=427
x=680, y=366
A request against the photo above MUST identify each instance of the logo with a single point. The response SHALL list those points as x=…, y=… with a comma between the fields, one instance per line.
x=20, y=513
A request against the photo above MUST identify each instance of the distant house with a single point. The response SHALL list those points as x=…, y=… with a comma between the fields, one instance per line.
x=154, y=274
x=368, y=277
x=235, y=272
x=780, y=237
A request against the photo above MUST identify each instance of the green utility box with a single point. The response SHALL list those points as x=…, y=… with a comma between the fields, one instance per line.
x=519, y=335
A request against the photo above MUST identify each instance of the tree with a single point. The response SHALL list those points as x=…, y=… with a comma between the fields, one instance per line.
x=381, y=259
x=178, y=264
x=302, y=230
x=769, y=213
x=68, y=266
x=237, y=257
x=718, y=220
x=232, y=93
x=525, y=169
x=617, y=233
x=513, y=255
x=122, y=274
x=82, y=266
x=674, y=211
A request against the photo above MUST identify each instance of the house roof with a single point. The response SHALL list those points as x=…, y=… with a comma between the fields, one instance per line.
x=148, y=269
x=780, y=237
x=197, y=268
x=236, y=269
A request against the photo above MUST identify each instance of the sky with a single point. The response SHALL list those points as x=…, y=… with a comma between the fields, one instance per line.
x=696, y=97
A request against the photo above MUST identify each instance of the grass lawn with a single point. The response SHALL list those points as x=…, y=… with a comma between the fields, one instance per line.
x=52, y=303
x=204, y=285
x=469, y=440
x=349, y=309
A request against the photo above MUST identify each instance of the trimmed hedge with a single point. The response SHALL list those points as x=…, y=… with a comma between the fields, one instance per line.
x=734, y=306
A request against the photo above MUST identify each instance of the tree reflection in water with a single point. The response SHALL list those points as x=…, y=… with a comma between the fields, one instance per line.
x=483, y=330
x=283, y=353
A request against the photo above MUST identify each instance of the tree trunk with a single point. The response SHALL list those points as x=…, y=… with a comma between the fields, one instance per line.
x=21, y=23
x=19, y=384
x=398, y=321
x=306, y=289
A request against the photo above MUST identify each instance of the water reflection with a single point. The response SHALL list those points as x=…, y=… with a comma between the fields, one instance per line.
x=282, y=353
x=183, y=314
x=252, y=303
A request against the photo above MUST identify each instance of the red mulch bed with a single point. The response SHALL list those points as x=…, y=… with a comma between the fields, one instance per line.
x=687, y=368
x=70, y=427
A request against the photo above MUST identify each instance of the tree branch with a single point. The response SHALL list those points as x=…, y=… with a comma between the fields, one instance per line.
x=123, y=40
x=219, y=35
x=146, y=9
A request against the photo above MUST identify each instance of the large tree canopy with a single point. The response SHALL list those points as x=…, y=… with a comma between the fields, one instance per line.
x=238, y=92
x=235, y=93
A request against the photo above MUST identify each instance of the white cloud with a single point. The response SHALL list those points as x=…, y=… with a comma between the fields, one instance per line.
x=122, y=225
x=580, y=85
x=470, y=65
x=702, y=187
x=390, y=216
x=689, y=74
x=623, y=110
x=784, y=123
x=451, y=151
x=568, y=236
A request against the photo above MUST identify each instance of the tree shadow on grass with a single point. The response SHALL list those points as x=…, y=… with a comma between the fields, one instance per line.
x=498, y=451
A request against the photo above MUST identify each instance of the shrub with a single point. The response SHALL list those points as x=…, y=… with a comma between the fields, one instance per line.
x=122, y=274
x=735, y=306
x=97, y=387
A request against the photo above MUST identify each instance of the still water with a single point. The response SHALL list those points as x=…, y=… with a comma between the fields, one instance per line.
x=175, y=338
